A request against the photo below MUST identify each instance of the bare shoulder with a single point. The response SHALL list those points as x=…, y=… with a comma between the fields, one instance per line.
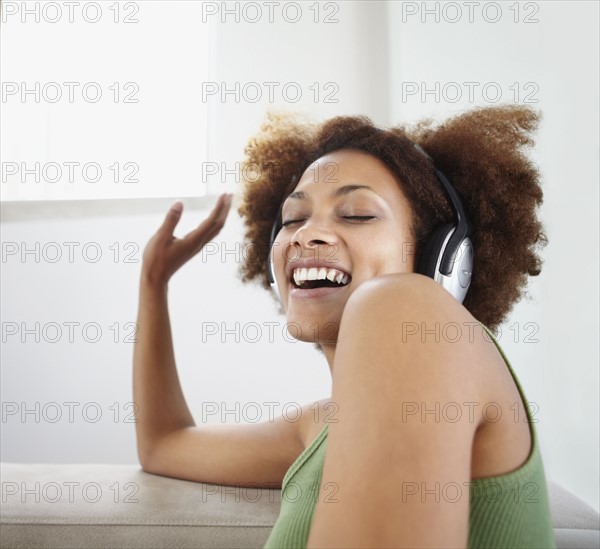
x=421, y=312
x=434, y=337
x=418, y=288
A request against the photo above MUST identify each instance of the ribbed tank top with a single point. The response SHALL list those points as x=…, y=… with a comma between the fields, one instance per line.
x=505, y=511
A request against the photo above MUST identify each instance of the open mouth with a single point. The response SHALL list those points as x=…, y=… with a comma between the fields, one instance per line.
x=307, y=279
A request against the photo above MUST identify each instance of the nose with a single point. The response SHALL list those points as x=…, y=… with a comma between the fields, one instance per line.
x=311, y=235
x=311, y=239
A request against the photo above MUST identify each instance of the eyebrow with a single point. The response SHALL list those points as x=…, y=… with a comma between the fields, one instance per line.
x=341, y=191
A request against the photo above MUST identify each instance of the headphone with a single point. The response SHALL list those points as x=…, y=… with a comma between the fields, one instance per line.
x=447, y=255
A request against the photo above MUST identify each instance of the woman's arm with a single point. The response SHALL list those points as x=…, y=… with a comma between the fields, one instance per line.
x=168, y=441
x=161, y=406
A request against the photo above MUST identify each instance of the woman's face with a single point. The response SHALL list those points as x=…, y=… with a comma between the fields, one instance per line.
x=319, y=232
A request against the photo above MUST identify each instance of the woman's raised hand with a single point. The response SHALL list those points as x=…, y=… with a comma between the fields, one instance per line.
x=165, y=254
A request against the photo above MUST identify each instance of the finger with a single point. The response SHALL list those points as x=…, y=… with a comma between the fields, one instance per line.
x=171, y=219
x=220, y=214
x=196, y=240
x=221, y=207
x=199, y=240
x=211, y=226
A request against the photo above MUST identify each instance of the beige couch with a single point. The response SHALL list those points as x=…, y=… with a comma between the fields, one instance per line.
x=116, y=506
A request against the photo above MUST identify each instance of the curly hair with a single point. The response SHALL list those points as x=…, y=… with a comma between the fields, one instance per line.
x=480, y=151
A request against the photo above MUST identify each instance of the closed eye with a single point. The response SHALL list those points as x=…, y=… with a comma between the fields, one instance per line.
x=286, y=223
x=353, y=217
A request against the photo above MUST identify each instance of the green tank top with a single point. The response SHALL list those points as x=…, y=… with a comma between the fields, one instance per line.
x=505, y=511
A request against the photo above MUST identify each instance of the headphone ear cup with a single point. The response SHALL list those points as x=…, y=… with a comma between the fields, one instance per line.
x=433, y=249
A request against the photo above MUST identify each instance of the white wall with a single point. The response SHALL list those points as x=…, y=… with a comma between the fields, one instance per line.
x=559, y=373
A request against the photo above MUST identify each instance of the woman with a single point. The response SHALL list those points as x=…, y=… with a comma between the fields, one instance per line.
x=430, y=443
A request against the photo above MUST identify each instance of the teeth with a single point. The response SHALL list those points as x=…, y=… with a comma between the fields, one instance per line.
x=314, y=273
x=300, y=275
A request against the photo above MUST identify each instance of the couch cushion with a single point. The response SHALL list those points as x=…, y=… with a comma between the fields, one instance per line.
x=576, y=524
x=570, y=512
x=120, y=506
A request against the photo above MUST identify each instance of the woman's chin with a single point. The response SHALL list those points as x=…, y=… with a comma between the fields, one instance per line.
x=313, y=329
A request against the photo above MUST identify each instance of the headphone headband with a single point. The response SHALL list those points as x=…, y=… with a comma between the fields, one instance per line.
x=464, y=228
